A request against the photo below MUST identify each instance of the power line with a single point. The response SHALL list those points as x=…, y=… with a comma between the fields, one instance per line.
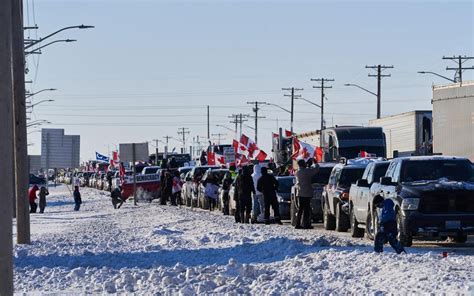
x=292, y=95
x=256, y=117
x=183, y=131
x=238, y=119
x=322, y=87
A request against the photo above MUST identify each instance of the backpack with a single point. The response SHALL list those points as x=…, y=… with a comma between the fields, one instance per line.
x=387, y=214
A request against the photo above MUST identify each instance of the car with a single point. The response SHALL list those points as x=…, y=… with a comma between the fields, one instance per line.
x=218, y=174
x=195, y=175
x=362, y=195
x=284, y=195
x=84, y=180
x=318, y=182
x=93, y=180
x=433, y=196
x=336, y=194
x=37, y=180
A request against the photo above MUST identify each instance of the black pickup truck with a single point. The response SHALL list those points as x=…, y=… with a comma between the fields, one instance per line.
x=434, y=196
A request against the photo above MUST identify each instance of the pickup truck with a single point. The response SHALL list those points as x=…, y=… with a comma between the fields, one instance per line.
x=433, y=196
x=335, y=198
x=361, y=198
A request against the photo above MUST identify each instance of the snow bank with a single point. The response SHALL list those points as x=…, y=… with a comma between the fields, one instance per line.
x=159, y=249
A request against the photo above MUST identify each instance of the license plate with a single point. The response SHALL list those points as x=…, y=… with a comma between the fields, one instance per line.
x=453, y=224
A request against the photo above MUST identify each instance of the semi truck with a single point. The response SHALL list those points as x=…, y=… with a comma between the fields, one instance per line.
x=407, y=134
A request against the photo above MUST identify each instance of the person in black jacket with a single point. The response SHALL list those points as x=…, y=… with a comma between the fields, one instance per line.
x=268, y=184
x=77, y=199
x=116, y=196
x=236, y=198
x=246, y=187
x=226, y=183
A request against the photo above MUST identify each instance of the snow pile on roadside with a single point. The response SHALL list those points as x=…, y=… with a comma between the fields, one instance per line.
x=160, y=249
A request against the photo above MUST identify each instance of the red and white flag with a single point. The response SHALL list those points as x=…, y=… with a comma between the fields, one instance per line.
x=302, y=150
x=288, y=133
x=249, y=144
x=211, y=158
x=260, y=155
x=239, y=148
x=219, y=159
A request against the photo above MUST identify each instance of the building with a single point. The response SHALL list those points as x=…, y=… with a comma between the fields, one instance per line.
x=59, y=150
x=453, y=119
x=34, y=163
x=408, y=133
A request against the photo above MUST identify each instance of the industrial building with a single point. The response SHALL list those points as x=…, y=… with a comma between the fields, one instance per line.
x=58, y=150
x=453, y=119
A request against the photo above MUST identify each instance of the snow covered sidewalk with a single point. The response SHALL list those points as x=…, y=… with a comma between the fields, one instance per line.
x=160, y=249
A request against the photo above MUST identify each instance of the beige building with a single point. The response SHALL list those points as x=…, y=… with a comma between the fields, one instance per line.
x=453, y=119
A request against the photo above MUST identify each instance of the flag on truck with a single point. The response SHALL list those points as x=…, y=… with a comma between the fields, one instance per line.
x=101, y=157
x=302, y=150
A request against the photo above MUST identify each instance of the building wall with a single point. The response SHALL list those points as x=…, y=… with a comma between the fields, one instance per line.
x=453, y=119
x=59, y=150
x=34, y=163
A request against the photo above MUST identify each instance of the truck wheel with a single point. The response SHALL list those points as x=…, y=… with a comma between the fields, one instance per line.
x=355, y=230
x=404, y=235
x=329, y=220
x=460, y=238
x=369, y=226
x=293, y=212
x=342, y=220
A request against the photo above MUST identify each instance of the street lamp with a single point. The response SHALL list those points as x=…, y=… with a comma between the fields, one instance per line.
x=42, y=101
x=33, y=94
x=223, y=126
x=278, y=106
x=439, y=75
x=54, y=33
x=38, y=122
x=370, y=92
x=35, y=51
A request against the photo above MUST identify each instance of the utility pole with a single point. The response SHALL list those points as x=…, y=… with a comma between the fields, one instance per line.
x=183, y=131
x=256, y=117
x=219, y=136
x=156, y=151
x=239, y=119
x=6, y=149
x=208, y=123
x=322, y=87
x=459, y=69
x=292, y=95
x=379, y=76
x=166, y=147
x=19, y=125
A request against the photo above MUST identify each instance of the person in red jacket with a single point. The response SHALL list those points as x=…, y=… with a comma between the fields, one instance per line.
x=32, y=198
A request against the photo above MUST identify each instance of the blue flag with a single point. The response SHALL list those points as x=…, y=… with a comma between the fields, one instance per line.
x=100, y=157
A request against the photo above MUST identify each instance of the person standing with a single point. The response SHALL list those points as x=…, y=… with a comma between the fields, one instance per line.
x=246, y=188
x=32, y=198
x=226, y=183
x=168, y=189
x=304, y=193
x=258, y=203
x=268, y=185
x=176, y=190
x=236, y=197
x=211, y=190
x=42, y=198
x=77, y=198
x=387, y=228
x=116, y=196
x=109, y=181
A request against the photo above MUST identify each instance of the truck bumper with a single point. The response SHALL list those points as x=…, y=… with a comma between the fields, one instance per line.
x=438, y=224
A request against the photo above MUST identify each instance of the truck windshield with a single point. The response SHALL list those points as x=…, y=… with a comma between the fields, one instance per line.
x=433, y=169
x=350, y=176
x=322, y=177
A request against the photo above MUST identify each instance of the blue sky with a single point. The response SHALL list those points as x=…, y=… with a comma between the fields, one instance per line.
x=150, y=67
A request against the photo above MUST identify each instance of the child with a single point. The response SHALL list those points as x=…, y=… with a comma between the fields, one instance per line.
x=77, y=198
x=387, y=228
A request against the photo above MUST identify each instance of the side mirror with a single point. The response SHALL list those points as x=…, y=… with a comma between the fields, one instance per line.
x=362, y=183
x=386, y=181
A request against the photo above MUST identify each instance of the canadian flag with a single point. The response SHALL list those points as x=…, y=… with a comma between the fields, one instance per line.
x=288, y=133
x=260, y=155
x=241, y=160
x=239, y=148
x=302, y=150
x=319, y=154
x=121, y=171
x=219, y=159
x=211, y=158
x=250, y=144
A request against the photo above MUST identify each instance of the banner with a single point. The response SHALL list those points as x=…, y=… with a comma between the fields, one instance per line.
x=101, y=157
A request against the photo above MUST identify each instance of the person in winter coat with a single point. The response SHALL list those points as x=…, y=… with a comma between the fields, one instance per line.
x=304, y=193
x=109, y=181
x=268, y=185
x=211, y=191
x=167, y=188
x=42, y=198
x=116, y=196
x=176, y=190
x=246, y=188
x=77, y=198
x=387, y=228
x=258, y=203
x=226, y=183
x=236, y=197
x=32, y=198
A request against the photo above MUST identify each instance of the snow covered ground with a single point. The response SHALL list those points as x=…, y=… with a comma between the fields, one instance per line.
x=153, y=249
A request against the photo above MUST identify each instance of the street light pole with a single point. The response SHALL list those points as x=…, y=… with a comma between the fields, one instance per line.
x=439, y=75
x=42, y=101
x=48, y=44
x=54, y=33
x=40, y=91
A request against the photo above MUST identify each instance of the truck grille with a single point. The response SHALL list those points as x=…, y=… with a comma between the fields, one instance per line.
x=447, y=202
